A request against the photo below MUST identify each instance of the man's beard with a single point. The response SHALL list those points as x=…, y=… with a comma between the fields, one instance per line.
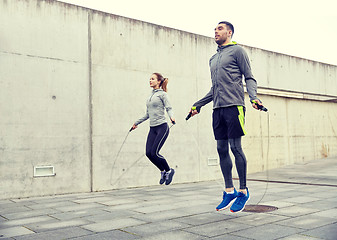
x=221, y=41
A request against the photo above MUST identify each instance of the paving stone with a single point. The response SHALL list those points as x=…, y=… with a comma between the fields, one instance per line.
x=155, y=208
x=294, y=211
x=229, y=236
x=106, y=216
x=118, y=201
x=24, y=221
x=12, y=209
x=14, y=231
x=63, y=233
x=302, y=199
x=116, y=234
x=5, y=201
x=257, y=219
x=203, y=218
x=52, y=225
x=309, y=221
x=93, y=199
x=5, y=238
x=163, y=215
x=216, y=228
x=78, y=214
x=204, y=208
x=154, y=228
x=29, y=213
x=330, y=213
x=38, y=206
x=174, y=235
x=113, y=224
x=300, y=237
x=267, y=232
x=328, y=232
x=79, y=207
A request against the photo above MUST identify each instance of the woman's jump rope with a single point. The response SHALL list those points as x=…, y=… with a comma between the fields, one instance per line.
x=260, y=107
x=135, y=162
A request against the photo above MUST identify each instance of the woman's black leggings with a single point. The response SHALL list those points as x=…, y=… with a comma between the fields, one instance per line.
x=226, y=162
x=155, y=140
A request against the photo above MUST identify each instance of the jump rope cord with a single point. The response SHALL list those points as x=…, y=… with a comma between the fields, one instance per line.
x=113, y=165
x=200, y=154
x=267, y=161
x=127, y=169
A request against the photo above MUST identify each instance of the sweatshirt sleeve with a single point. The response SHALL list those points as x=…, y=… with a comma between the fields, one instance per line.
x=244, y=65
x=139, y=121
x=207, y=99
x=167, y=104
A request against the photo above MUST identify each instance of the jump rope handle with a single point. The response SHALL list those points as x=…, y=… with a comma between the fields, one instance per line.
x=190, y=113
x=131, y=129
x=260, y=107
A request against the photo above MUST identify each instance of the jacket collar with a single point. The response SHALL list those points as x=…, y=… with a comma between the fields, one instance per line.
x=157, y=90
x=228, y=44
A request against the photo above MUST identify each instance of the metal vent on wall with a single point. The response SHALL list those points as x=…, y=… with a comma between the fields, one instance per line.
x=44, y=171
x=212, y=161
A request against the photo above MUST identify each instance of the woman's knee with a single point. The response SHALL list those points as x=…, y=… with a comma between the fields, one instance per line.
x=149, y=154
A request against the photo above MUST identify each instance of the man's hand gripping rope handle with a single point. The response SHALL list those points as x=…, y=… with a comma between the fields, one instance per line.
x=194, y=110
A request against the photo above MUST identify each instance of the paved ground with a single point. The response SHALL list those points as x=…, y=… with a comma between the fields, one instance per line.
x=305, y=195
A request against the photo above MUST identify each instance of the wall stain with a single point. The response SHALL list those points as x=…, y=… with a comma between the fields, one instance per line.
x=325, y=150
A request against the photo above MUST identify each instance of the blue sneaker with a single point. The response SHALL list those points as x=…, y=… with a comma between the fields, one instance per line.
x=169, y=176
x=240, y=202
x=162, y=177
x=227, y=201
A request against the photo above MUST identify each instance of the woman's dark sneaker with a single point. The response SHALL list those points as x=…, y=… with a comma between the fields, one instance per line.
x=169, y=176
x=162, y=177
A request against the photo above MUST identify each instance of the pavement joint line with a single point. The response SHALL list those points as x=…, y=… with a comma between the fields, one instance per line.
x=29, y=229
x=288, y=182
x=4, y=217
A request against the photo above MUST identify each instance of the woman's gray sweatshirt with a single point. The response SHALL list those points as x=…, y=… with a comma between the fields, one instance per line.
x=155, y=108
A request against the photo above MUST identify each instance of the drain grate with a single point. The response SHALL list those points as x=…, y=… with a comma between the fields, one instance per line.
x=259, y=208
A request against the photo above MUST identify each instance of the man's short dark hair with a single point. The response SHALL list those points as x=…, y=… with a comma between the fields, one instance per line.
x=231, y=27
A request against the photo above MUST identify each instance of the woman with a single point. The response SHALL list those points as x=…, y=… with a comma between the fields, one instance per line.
x=159, y=130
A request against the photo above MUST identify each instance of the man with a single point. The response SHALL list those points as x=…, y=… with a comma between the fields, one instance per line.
x=227, y=67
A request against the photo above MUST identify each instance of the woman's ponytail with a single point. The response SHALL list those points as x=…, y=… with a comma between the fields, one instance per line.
x=164, y=84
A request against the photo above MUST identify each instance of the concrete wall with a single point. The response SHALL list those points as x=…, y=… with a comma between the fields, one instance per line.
x=73, y=81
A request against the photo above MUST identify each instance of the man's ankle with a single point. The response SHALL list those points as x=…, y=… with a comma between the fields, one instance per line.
x=244, y=191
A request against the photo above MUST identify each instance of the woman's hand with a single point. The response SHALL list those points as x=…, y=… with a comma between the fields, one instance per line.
x=134, y=127
x=173, y=121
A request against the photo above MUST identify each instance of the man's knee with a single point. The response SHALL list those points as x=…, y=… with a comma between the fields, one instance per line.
x=222, y=146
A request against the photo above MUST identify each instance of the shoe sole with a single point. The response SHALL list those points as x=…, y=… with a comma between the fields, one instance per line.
x=229, y=205
x=242, y=208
